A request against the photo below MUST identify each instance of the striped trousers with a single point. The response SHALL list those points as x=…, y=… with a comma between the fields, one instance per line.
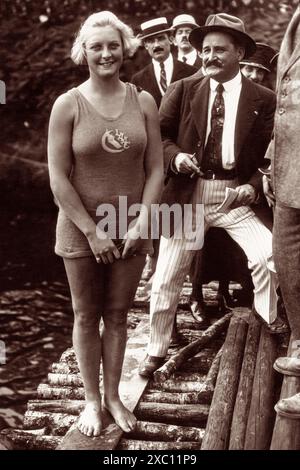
x=175, y=259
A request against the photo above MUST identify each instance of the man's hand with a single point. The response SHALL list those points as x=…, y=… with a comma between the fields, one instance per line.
x=247, y=196
x=186, y=163
x=268, y=191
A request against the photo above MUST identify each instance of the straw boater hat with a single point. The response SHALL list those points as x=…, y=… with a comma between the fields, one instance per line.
x=226, y=24
x=184, y=20
x=153, y=27
x=261, y=58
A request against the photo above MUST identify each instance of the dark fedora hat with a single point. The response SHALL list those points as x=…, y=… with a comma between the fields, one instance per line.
x=224, y=23
x=153, y=27
x=262, y=57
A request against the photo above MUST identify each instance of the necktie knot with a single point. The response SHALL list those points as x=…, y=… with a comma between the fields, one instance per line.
x=220, y=89
x=184, y=59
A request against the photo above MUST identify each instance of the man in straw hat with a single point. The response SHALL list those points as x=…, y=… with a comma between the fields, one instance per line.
x=182, y=26
x=215, y=132
x=163, y=70
x=258, y=66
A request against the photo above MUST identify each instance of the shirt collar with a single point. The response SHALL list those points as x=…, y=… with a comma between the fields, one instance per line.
x=167, y=63
x=192, y=55
x=228, y=86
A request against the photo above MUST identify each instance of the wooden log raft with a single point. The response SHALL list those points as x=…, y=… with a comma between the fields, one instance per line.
x=245, y=390
x=219, y=421
x=31, y=440
x=55, y=423
x=128, y=444
x=146, y=430
x=286, y=433
x=188, y=398
x=208, y=386
x=199, y=363
x=189, y=415
x=261, y=414
x=185, y=353
x=71, y=407
x=172, y=385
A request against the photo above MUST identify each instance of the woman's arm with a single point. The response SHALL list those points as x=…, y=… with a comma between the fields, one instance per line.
x=60, y=165
x=153, y=165
x=154, y=152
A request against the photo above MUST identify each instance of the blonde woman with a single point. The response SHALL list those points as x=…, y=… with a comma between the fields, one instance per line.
x=104, y=142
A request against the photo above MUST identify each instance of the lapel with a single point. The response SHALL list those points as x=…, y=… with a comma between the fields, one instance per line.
x=199, y=94
x=151, y=82
x=247, y=112
x=175, y=70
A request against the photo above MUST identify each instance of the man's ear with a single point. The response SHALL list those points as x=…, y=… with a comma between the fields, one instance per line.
x=172, y=39
x=241, y=53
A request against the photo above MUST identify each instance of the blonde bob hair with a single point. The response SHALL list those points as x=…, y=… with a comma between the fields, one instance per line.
x=103, y=18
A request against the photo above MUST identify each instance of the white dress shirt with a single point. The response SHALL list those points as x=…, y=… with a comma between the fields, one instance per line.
x=169, y=67
x=231, y=95
x=190, y=57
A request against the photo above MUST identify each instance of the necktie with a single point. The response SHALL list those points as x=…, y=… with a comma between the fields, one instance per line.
x=184, y=59
x=163, y=77
x=212, y=158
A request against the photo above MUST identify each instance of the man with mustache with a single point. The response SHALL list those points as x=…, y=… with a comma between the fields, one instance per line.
x=182, y=27
x=164, y=69
x=215, y=132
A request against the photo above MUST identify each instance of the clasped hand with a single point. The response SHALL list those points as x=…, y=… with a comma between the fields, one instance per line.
x=246, y=196
x=105, y=250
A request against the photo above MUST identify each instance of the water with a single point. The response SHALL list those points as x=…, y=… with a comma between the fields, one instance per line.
x=35, y=309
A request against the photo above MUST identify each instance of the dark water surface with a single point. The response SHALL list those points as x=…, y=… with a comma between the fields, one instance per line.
x=35, y=309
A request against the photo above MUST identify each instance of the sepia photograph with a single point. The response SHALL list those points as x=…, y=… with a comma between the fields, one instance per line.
x=150, y=228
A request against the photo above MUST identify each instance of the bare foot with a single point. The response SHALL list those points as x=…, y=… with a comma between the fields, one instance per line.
x=90, y=420
x=122, y=416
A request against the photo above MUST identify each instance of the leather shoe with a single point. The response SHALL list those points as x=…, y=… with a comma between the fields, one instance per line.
x=198, y=311
x=289, y=407
x=150, y=364
x=288, y=365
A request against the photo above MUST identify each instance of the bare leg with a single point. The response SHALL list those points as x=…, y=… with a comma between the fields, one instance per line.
x=86, y=280
x=123, y=279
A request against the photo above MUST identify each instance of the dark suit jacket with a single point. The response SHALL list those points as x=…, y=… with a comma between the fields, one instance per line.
x=145, y=78
x=198, y=63
x=183, y=118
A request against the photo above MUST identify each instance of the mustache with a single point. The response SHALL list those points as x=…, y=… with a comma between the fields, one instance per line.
x=158, y=49
x=215, y=62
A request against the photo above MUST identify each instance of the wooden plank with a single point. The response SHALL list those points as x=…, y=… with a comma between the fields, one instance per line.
x=219, y=421
x=261, y=414
x=244, y=394
x=131, y=388
x=286, y=434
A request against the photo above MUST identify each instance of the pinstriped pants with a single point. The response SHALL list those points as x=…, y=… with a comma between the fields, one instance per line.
x=175, y=259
